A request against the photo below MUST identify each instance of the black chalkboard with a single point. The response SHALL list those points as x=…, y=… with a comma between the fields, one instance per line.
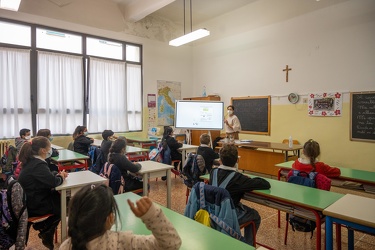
x=253, y=113
x=362, y=119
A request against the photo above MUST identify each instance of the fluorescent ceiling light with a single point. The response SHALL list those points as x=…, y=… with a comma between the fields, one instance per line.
x=10, y=4
x=195, y=35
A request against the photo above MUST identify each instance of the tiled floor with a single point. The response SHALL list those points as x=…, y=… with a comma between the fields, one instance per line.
x=268, y=234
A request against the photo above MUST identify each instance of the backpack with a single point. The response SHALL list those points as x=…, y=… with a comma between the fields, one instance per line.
x=12, y=202
x=8, y=159
x=97, y=159
x=194, y=167
x=115, y=179
x=161, y=154
x=305, y=179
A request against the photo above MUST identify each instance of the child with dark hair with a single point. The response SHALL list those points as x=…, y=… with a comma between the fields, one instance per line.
x=173, y=144
x=108, y=138
x=93, y=211
x=237, y=184
x=128, y=169
x=310, y=163
x=81, y=141
x=209, y=155
x=24, y=137
x=38, y=182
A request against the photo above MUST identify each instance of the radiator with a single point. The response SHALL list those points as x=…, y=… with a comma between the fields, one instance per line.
x=3, y=146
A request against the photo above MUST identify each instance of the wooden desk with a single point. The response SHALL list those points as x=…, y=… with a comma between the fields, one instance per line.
x=68, y=159
x=153, y=169
x=193, y=234
x=186, y=148
x=354, y=211
x=261, y=157
x=142, y=141
x=294, y=199
x=360, y=176
x=74, y=182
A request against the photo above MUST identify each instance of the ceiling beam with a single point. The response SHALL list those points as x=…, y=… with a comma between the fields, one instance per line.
x=136, y=10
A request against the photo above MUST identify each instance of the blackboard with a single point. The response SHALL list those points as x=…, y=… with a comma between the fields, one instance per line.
x=253, y=113
x=362, y=119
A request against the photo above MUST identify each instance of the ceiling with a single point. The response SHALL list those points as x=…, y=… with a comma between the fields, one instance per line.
x=173, y=10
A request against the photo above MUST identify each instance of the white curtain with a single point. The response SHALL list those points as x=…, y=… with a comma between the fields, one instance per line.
x=60, y=92
x=134, y=86
x=15, y=106
x=107, y=96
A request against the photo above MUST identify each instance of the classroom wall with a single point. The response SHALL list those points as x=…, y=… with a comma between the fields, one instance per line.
x=330, y=49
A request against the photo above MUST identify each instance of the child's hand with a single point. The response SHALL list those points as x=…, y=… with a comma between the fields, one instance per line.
x=143, y=205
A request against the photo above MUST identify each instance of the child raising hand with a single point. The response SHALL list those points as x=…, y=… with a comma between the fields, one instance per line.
x=93, y=211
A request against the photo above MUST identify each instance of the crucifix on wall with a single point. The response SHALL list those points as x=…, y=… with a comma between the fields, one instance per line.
x=287, y=69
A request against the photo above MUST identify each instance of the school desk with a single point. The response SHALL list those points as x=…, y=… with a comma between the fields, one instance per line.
x=347, y=174
x=68, y=159
x=193, y=234
x=261, y=157
x=294, y=199
x=354, y=211
x=153, y=169
x=134, y=153
x=74, y=182
x=142, y=141
x=57, y=147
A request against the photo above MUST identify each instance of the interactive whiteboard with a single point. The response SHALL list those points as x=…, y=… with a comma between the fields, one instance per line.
x=199, y=115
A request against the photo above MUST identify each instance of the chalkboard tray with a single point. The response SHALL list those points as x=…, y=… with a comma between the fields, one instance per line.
x=253, y=113
x=362, y=117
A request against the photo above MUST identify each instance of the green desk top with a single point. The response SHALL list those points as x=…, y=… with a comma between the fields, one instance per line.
x=296, y=194
x=193, y=234
x=346, y=173
x=140, y=139
x=68, y=155
x=131, y=150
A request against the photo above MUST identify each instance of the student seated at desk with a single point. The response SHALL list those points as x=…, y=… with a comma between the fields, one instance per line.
x=226, y=176
x=172, y=144
x=93, y=211
x=38, y=183
x=209, y=155
x=309, y=162
x=128, y=169
x=24, y=137
x=81, y=141
x=108, y=138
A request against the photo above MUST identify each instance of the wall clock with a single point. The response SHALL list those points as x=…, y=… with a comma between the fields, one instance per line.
x=293, y=98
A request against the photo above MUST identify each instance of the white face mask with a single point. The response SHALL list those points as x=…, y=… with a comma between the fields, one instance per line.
x=230, y=112
x=28, y=137
x=49, y=153
x=85, y=133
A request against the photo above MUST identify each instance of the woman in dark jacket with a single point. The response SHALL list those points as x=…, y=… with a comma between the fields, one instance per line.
x=172, y=144
x=128, y=169
x=38, y=183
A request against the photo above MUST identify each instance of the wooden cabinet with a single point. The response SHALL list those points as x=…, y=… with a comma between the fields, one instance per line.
x=195, y=134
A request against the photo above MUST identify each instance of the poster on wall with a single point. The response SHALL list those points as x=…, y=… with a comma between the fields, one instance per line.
x=325, y=104
x=168, y=92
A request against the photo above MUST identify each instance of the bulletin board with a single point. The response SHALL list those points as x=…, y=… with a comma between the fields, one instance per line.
x=362, y=116
x=254, y=114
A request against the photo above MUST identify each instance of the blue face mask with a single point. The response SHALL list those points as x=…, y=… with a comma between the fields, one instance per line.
x=49, y=153
x=50, y=138
x=85, y=133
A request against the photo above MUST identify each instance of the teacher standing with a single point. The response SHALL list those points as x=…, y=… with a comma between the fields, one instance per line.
x=232, y=123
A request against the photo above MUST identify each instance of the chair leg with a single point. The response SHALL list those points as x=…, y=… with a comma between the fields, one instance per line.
x=286, y=229
x=187, y=194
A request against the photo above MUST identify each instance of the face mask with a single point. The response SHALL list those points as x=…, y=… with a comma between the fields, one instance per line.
x=28, y=137
x=50, y=138
x=85, y=133
x=230, y=112
x=49, y=153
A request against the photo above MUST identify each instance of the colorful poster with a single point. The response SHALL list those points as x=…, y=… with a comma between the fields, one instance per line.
x=168, y=92
x=325, y=104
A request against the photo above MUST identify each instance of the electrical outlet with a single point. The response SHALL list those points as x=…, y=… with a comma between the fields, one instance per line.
x=304, y=100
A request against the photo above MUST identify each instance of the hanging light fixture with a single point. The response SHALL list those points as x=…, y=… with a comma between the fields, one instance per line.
x=193, y=35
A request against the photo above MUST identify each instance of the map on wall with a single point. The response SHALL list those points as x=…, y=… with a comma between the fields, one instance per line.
x=168, y=92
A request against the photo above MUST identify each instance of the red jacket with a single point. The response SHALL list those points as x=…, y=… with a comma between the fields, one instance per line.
x=320, y=167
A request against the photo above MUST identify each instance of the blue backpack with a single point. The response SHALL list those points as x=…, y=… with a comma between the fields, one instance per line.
x=194, y=167
x=162, y=153
x=305, y=179
x=97, y=159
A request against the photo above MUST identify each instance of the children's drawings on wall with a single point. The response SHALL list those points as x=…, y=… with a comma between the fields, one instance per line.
x=325, y=104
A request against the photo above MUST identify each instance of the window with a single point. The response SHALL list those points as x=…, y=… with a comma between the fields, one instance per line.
x=134, y=102
x=103, y=48
x=133, y=53
x=60, y=41
x=15, y=34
